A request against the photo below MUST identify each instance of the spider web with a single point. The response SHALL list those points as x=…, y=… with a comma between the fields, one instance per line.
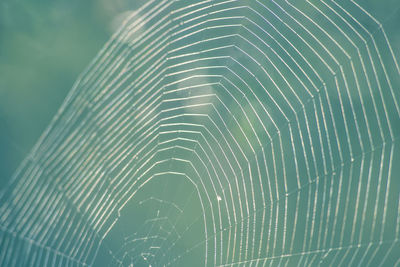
x=220, y=133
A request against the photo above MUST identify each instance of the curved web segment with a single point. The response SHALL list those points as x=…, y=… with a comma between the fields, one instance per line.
x=220, y=133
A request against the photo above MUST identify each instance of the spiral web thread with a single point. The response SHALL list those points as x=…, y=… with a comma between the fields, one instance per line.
x=220, y=133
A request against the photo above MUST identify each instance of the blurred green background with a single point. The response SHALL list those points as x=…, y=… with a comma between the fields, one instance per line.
x=44, y=46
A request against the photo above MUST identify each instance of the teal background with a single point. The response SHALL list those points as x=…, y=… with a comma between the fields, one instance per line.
x=44, y=46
